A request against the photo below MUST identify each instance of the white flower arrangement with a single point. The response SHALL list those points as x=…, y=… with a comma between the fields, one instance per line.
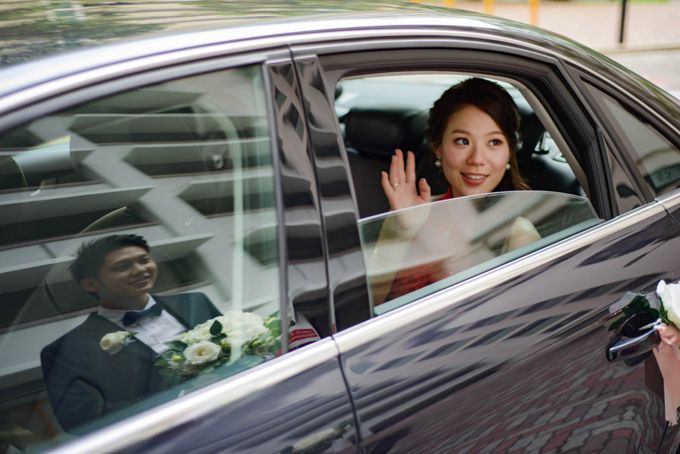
x=112, y=343
x=218, y=341
x=669, y=310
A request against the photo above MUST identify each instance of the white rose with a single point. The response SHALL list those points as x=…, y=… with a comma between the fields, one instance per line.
x=242, y=327
x=112, y=343
x=201, y=352
x=201, y=332
x=670, y=297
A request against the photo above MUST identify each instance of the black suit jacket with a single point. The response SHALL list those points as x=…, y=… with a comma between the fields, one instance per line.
x=84, y=382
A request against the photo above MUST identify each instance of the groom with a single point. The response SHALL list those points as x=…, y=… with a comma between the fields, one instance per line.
x=107, y=362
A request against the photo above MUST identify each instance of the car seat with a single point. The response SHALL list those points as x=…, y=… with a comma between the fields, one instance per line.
x=371, y=136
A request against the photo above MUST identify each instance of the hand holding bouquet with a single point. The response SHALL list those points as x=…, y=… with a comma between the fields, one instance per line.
x=649, y=324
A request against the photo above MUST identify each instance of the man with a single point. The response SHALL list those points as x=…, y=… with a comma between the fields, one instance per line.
x=107, y=362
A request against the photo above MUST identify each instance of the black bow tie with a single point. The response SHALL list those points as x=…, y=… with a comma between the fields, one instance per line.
x=131, y=317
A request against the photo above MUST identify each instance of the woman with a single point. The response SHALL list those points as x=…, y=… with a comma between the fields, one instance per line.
x=474, y=132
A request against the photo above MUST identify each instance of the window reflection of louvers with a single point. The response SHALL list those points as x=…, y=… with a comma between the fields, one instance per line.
x=194, y=180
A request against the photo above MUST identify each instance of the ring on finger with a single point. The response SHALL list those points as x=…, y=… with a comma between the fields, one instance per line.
x=394, y=185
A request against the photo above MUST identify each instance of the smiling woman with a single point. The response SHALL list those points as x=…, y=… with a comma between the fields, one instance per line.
x=473, y=130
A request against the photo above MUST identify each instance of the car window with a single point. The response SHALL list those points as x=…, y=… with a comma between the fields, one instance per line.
x=184, y=167
x=416, y=251
x=656, y=158
x=379, y=113
x=412, y=252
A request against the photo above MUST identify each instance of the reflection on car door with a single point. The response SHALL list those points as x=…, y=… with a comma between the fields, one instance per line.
x=513, y=358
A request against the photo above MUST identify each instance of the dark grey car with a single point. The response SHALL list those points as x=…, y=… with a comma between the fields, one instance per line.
x=249, y=156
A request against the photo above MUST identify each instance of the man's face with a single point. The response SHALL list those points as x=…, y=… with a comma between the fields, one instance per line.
x=125, y=279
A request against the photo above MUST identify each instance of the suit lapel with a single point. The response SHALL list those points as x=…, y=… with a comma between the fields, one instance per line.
x=173, y=307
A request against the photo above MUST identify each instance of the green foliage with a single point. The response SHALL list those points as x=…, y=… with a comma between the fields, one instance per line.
x=216, y=328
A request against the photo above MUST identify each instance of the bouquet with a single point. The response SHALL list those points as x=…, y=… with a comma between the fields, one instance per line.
x=220, y=340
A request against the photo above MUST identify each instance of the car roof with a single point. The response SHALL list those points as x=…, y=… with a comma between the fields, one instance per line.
x=39, y=42
x=33, y=32
x=34, y=29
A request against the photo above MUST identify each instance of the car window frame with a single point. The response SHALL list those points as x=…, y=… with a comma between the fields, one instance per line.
x=337, y=61
x=542, y=74
x=621, y=149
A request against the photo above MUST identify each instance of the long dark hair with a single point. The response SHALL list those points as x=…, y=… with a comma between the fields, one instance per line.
x=496, y=102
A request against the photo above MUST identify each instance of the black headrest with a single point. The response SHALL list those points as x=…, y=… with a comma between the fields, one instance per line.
x=377, y=133
x=531, y=131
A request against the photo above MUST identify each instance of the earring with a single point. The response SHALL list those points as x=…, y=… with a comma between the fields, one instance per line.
x=507, y=166
x=438, y=163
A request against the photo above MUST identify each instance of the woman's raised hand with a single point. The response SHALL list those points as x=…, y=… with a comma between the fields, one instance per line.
x=400, y=185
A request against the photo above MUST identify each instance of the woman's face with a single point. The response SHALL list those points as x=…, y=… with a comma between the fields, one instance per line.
x=473, y=152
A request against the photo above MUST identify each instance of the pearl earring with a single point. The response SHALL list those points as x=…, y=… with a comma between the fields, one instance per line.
x=438, y=163
x=507, y=166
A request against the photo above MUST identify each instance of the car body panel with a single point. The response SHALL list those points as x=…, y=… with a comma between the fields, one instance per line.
x=516, y=356
x=267, y=408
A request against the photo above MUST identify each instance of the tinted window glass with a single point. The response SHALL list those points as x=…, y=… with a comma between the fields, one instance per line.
x=656, y=158
x=413, y=252
x=185, y=165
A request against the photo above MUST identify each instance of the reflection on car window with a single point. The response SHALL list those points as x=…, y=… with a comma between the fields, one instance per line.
x=161, y=198
x=657, y=159
x=414, y=252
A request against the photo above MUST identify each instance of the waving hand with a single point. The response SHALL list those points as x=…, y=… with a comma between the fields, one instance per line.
x=400, y=185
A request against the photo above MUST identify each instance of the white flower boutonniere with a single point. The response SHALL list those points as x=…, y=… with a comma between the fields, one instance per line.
x=112, y=343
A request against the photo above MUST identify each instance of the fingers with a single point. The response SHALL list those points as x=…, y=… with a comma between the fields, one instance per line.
x=410, y=167
x=424, y=189
x=395, y=171
x=402, y=170
x=388, y=189
x=385, y=182
x=400, y=159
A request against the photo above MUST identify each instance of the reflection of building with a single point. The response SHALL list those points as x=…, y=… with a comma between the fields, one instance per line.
x=185, y=164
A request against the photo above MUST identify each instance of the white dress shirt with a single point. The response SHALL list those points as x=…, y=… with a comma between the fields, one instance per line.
x=153, y=331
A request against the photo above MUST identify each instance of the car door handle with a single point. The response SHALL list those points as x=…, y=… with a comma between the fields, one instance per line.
x=634, y=346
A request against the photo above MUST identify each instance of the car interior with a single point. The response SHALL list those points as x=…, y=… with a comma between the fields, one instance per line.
x=379, y=113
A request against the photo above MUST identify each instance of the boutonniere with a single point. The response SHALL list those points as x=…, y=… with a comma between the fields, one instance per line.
x=112, y=343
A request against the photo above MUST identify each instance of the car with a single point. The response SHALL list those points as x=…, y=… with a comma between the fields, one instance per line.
x=247, y=152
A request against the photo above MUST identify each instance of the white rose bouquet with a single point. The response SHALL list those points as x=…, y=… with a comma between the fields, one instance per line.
x=649, y=324
x=220, y=340
x=669, y=307
x=667, y=353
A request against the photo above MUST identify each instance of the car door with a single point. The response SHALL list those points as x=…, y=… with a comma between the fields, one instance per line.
x=208, y=161
x=508, y=355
